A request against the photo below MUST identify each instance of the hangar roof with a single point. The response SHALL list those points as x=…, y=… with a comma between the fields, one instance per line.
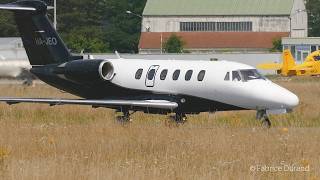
x=217, y=7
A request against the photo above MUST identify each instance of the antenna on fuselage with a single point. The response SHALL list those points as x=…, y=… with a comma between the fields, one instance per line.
x=118, y=55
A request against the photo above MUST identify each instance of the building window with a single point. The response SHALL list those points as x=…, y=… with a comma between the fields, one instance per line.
x=313, y=48
x=188, y=75
x=299, y=56
x=176, y=75
x=139, y=74
x=216, y=26
x=234, y=26
x=201, y=75
x=163, y=74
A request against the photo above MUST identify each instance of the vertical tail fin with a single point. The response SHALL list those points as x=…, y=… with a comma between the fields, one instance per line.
x=288, y=63
x=42, y=43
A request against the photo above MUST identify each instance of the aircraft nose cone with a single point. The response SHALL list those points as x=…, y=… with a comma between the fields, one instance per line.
x=291, y=100
x=282, y=98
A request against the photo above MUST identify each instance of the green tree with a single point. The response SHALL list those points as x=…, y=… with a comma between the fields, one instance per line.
x=313, y=8
x=123, y=30
x=93, y=25
x=174, y=44
x=277, y=45
x=7, y=25
x=86, y=39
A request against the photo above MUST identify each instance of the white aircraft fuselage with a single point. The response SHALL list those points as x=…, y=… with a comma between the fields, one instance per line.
x=152, y=86
x=254, y=94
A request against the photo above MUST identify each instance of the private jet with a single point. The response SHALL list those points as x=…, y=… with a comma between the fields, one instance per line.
x=151, y=86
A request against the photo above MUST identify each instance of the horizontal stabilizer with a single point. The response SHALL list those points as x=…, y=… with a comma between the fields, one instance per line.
x=270, y=66
x=161, y=104
x=15, y=7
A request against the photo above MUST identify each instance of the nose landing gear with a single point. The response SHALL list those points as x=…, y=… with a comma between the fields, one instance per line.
x=263, y=116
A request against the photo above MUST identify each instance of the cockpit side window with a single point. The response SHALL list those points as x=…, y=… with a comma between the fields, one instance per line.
x=251, y=74
x=227, y=78
x=317, y=58
x=236, y=76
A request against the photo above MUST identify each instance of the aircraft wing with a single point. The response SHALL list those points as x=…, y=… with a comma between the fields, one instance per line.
x=303, y=67
x=270, y=66
x=160, y=104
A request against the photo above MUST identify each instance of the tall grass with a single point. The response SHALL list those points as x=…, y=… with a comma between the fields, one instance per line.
x=76, y=142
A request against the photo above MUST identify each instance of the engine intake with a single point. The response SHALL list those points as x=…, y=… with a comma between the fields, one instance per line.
x=106, y=70
x=89, y=71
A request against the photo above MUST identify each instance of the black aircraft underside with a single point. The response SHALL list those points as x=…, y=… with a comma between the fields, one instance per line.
x=101, y=89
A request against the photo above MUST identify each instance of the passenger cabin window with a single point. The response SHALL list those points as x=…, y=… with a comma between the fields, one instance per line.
x=236, y=76
x=139, y=74
x=201, y=75
x=188, y=75
x=227, y=78
x=251, y=74
x=151, y=74
x=176, y=75
x=163, y=74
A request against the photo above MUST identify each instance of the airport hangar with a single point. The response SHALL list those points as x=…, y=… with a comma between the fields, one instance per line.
x=213, y=26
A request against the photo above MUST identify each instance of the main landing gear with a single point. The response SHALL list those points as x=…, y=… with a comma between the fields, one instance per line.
x=263, y=116
x=124, y=117
x=179, y=118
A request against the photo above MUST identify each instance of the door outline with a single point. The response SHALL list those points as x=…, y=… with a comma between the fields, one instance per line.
x=150, y=83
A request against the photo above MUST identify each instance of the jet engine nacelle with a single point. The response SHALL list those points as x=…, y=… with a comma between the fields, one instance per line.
x=89, y=70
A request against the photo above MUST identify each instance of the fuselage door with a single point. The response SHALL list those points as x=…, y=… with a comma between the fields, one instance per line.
x=151, y=75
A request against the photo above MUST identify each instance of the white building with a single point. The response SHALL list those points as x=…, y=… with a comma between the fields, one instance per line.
x=301, y=47
x=213, y=25
x=11, y=48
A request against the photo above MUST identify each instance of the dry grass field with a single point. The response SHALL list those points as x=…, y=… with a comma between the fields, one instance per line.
x=74, y=142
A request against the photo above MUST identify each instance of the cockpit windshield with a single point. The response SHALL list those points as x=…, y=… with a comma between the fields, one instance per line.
x=317, y=58
x=251, y=74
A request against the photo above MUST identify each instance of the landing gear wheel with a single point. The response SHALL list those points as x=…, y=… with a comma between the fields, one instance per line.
x=176, y=120
x=180, y=118
x=262, y=115
x=266, y=122
x=125, y=118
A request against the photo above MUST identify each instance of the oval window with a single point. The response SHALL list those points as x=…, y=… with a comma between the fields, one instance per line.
x=201, y=75
x=139, y=74
x=176, y=75
x=163, y=74
x=188, y=75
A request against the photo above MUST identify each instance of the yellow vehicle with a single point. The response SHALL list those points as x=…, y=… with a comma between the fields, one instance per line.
x=310, y=66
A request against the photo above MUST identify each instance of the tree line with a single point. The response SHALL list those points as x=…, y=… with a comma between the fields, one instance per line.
x=97, y=26
x=101, y=26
